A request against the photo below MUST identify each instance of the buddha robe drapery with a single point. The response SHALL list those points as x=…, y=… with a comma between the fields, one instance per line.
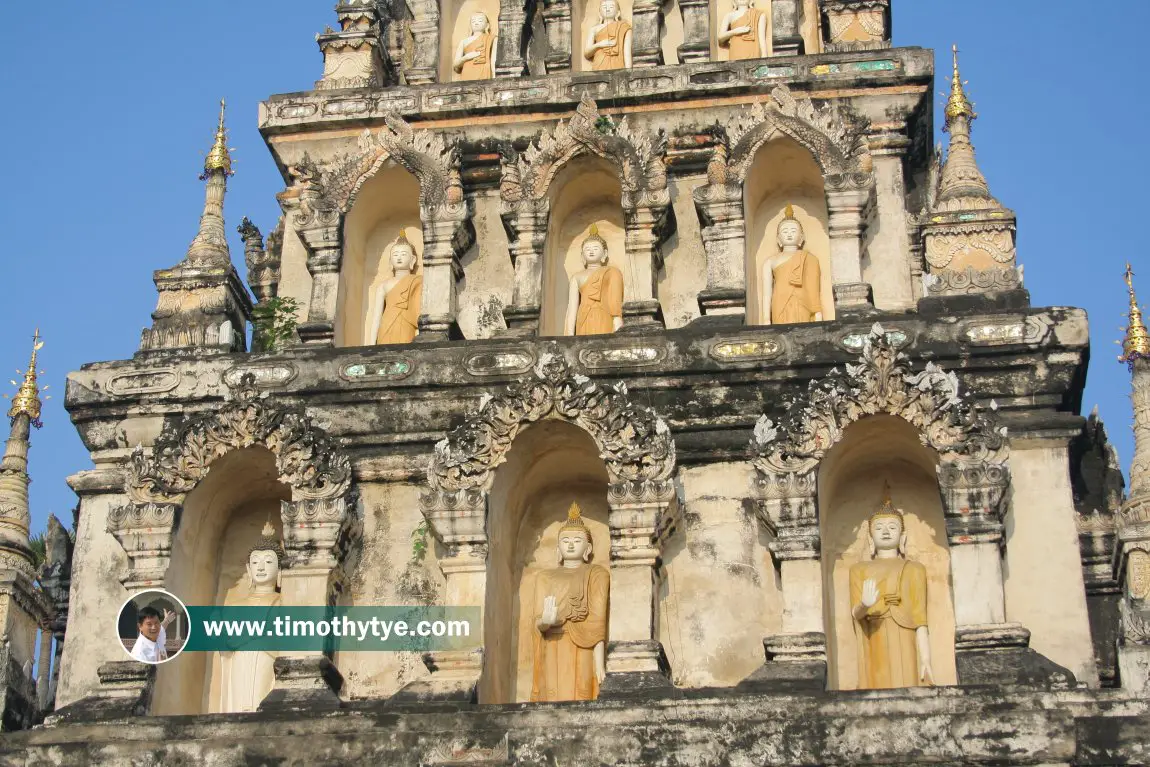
x=564, y=657
x=888, y=651
x=746, y=46
x=247, y=676
x=796, y=291
x=400, y=319
x=613, y=57
x=478, y=68
x=600, y=301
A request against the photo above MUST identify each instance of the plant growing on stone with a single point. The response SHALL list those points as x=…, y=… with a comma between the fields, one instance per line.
x=274, y=323
x=419, y=542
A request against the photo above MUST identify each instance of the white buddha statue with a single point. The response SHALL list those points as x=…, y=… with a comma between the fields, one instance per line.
x=246, y=677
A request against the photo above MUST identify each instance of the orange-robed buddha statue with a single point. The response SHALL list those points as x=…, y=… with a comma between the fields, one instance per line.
x=744, y=31
x=596, y=295
x=475, y=56
x=608, y=44
x=402, y=295
x=793, y=278
x=888, y=603
x=570, y=607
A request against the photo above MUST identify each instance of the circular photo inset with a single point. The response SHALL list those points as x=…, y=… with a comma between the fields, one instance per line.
x=153, y=626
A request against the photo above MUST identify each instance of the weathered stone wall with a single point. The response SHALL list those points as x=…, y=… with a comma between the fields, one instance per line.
x=718, y=594
x=895, y=727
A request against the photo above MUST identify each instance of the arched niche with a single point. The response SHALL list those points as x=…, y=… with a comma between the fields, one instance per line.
x=851, y=479
x=550, y=465
x=584, y=16
x=386, y=203
x=585, y=192
x=455, y=24
x=783, y=172
x=221, y=519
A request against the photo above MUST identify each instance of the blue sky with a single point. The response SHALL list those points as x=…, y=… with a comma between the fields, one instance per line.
x=111, y=106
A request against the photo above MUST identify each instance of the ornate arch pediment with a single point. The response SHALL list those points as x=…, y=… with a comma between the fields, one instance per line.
x=425, y=154
x=634, y=442
x=836, y=142
x=638, y=156
x=881, y=383
x=306, y=458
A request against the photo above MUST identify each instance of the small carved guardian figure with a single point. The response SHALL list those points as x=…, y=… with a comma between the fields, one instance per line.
x=608, y=44
x=401, y=296
x=744, y=31
x=246, y=677
x=792, y=279
x=596, y=295
x=888, y=603
x=570, y=611
x=475, y=56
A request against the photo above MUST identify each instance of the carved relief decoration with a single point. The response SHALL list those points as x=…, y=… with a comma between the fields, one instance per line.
x=835, y=138
x=971, y=280
x=633, y=441
x=944, y=246
x=305, y=457
x=880, y=383
x=857, y=24
x=638, y=155
x=425, y=154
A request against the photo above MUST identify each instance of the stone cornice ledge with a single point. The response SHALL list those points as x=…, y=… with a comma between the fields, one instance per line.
x=357, y=107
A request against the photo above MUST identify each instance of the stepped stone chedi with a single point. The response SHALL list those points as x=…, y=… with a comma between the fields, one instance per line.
x=692, y=273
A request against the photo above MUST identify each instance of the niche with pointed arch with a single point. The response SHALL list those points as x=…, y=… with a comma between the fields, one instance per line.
x=872, y=452
x=550, y=465
x=387, y=203
x=783, y=173
x=586, y=192
x=220, y=521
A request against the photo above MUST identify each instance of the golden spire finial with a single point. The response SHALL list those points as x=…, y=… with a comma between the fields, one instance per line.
x=958, y=105
x=1137, y=343
x=27, y=399
x=219, y=158
x=789, y=213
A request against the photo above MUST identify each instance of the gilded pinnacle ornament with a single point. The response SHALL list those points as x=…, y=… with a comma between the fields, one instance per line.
x=962, y=185
x=958, y=105
x=219, y=157
x=27, y=399
x=1137, y=342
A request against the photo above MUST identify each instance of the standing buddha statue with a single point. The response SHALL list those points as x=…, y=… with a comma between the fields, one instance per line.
x=402, y=294
x=570, y=606
x=792, y=279
x=595, y=303
x=744, y=31
x=608, y=44
x=475, y=56
x=247, y=676
x=888, y=604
